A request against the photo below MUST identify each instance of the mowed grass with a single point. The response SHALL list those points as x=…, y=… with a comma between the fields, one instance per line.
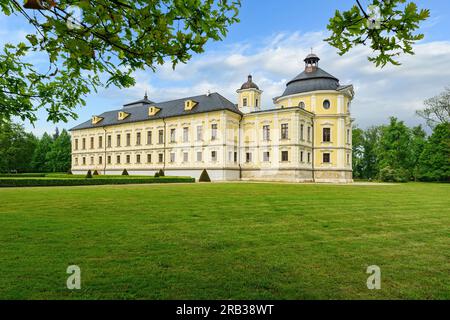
x=226, y=241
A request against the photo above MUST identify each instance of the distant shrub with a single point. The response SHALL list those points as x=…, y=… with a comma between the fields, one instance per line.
x=204, y=177
x=125, y=172
x=389, y=174
x=157, y=175
x=95, y=173
x=161, y=173
x=89, y=174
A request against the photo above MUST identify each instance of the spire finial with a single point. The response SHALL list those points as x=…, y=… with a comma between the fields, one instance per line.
x=146, y=96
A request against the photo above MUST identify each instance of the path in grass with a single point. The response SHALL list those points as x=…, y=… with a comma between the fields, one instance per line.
x=226, y=241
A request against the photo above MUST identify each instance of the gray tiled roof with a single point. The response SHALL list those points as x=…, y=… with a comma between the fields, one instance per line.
x=174, y=108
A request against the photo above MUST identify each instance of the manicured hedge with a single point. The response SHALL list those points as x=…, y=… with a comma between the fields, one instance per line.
x=22, y=175
x=88, y=182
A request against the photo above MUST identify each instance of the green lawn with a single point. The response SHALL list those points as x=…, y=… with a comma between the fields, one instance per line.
x=226, y=241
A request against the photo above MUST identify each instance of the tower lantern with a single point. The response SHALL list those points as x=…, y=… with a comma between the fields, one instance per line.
x=249, y=96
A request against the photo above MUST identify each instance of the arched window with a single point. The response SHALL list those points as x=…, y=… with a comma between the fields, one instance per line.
x=326, y=104
x=301, y=105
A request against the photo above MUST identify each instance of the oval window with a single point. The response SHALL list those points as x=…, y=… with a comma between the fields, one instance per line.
x=302, y=105
x=326, y=104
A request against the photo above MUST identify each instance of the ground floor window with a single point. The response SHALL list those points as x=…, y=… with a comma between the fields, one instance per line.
x=172, y=157
x=138, y=158
x=185, y=157
x=100, y=160
x=149, y=158
x=213, y=156
x=301, y=156
x=128, y=159
x=118, y=160
x=248, y=157
x=284, y=156
x=160, y=158
x=199, y=156
x=326, y=158
x=109, y=159
x=266, y=156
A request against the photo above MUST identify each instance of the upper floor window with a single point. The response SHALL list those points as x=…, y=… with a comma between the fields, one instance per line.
x=301, y=105
x=244, y=102
x=149, y=137
x=266, y=133
x=92, y=143
x=138, y=138
x=161, y=137
x=302, y=133
x=326, y=104
x=172, y=135
x=118, y=142
x=348, y=135
x=128, y=139
x=100, y=142
x=186, y=134
x=326, y=134
x=309, y=134
x=284, y=131
x=109, y=141
x=214, y=132
x=76, y=144
x=309, y=157
x=326, y=158
x=256, y=103
x=199, y=133
x=301, y=156
x=83, y=144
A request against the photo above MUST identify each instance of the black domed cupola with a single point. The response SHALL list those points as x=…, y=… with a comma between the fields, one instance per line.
x=311, y=63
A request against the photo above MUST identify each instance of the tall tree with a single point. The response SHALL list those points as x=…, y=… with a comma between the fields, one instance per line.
x=86, y=41
x=16, y=148
x=437, y=109
x=371, y=140
x=418, y=141
x=388, y=27
x=358, y=153
x=58, y=159
x=434, y=163
x=39, y=159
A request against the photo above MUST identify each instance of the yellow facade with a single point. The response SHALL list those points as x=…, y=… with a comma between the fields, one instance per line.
x=306, y=136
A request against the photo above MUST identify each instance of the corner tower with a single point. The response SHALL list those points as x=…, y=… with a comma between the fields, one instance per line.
x=249, y=96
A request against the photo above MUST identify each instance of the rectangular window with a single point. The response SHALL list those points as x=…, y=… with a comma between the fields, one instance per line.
x=199, y=156
x=244, y=102
x=284, y=131
x=100, y=142
x=185, y=157
x=160, y=158
x=213, y=156
x=84, y=161
x=128, y=159
x=302, y=134
x=92, y=143
x=185, y=134
x=161, y=137
x=348, y=158
x=309, y=134
x=248, y=157
x=100, y=160
x=109, y=141
x=172, y=135
x=84, y=144
x=235, y=157
x=92, y=160
x=138, y=139
x=214, y=132
x=309, y=157
x=118, y=160
x=256, y=103
x=301, y=156
x=149, y=158
x=348, y=136
x=326, y=158
x=109, y=159
x=76, y=161
x=128, y=139
x=138, y=158
x=149, y=137
x=172, y=157
x=266, y=156
x=326, y=133
x=266, y=133
x=199, y=133
x=284, y=156
x=76, y=144
x=118, y=140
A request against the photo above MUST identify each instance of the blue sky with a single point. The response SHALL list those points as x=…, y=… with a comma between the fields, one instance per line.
x=270, y=42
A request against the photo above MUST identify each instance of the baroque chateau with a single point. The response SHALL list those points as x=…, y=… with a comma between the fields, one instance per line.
x=305, y=137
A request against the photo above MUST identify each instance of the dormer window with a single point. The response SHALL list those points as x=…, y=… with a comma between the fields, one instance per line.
x=189, y=105
x=152, y=111
x=96, y=119
x=122, y=115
